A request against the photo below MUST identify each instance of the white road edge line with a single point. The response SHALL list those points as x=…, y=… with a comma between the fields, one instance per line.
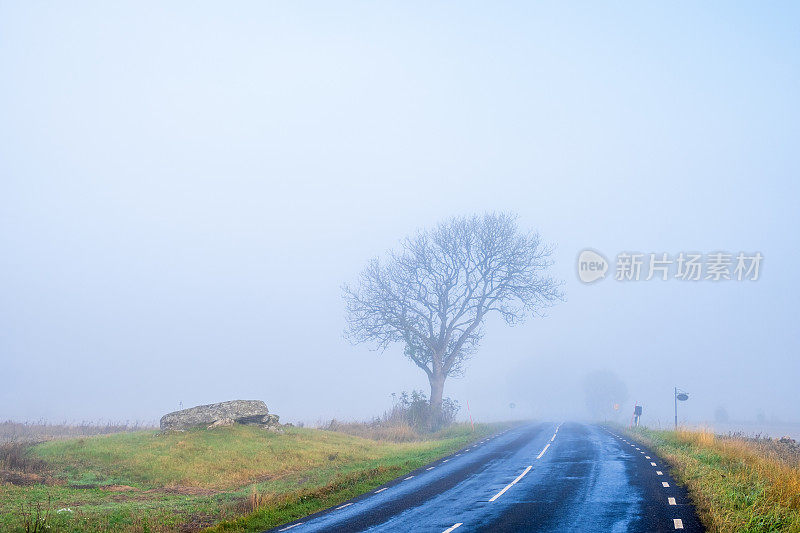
x=409, y=477
x=343, y=506
x=430, y=468
x=678, y=523
x=290, y=527
x=511, y=484
x=380, y=490
x=454, y=526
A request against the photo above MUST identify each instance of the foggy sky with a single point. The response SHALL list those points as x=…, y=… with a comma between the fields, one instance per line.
x=185, y=187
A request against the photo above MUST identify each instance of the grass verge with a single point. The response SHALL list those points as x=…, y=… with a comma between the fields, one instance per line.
x=737, y=484
x=237, y=478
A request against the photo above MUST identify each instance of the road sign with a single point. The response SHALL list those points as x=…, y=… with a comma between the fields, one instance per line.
x=682, y=396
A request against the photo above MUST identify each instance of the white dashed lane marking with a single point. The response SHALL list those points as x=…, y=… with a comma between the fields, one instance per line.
x=677, y=522
x=541, y=453
x=511, y=484
x=343, y=506
x=409, y=477
x=381, y=490
x=290, y=527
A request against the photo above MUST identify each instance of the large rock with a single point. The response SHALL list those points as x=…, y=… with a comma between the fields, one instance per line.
x=248, y=412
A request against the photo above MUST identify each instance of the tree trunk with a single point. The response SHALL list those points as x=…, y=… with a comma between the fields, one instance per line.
x=437, y=390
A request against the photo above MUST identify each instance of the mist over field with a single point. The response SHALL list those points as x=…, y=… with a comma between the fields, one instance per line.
x=184, y=190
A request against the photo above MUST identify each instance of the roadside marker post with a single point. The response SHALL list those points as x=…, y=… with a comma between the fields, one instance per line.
x=682, y=396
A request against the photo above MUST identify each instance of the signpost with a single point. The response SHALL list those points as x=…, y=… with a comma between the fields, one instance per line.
x=679, y=396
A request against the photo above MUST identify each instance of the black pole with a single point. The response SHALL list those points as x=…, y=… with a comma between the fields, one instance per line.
x=676, y=408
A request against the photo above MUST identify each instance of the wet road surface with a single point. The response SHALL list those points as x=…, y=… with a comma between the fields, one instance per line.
x=538, y=477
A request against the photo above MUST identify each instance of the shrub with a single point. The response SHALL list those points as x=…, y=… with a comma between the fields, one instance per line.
x=15, y=456
x=414, y=410
x=409, y=419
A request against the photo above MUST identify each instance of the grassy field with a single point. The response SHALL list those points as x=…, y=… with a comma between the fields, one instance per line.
x=11, y=431
x=237, y=478
x=737, y=484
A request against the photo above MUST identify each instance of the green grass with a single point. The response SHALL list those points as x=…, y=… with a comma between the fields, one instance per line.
x=241, y=478
x=736, y=484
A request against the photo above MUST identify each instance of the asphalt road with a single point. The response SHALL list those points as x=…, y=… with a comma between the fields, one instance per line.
x=540, y=477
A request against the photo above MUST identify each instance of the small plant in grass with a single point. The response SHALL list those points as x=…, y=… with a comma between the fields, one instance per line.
x=34, y=517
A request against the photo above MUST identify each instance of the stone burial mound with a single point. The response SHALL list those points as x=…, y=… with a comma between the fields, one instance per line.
x=245, y=412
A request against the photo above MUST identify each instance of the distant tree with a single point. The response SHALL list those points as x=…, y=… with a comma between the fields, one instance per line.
x=721, y=415
x=604, y=390
x=434, y=293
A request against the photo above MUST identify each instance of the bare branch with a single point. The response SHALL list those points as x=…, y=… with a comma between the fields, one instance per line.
x=434, y=293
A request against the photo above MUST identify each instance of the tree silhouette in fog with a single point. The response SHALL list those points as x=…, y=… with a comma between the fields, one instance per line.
x=605, y=394
x=434, y=293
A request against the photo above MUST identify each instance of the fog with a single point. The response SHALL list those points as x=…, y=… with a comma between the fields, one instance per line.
x=185, y=188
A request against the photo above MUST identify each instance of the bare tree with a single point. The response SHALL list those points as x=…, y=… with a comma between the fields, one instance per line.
x=435, y=292
x=605, y=394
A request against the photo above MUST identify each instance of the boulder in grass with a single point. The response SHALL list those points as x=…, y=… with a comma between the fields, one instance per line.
x=247, y=412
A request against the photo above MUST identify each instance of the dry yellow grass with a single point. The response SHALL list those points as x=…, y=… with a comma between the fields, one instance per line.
x=737, y=484
x=392, y=433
